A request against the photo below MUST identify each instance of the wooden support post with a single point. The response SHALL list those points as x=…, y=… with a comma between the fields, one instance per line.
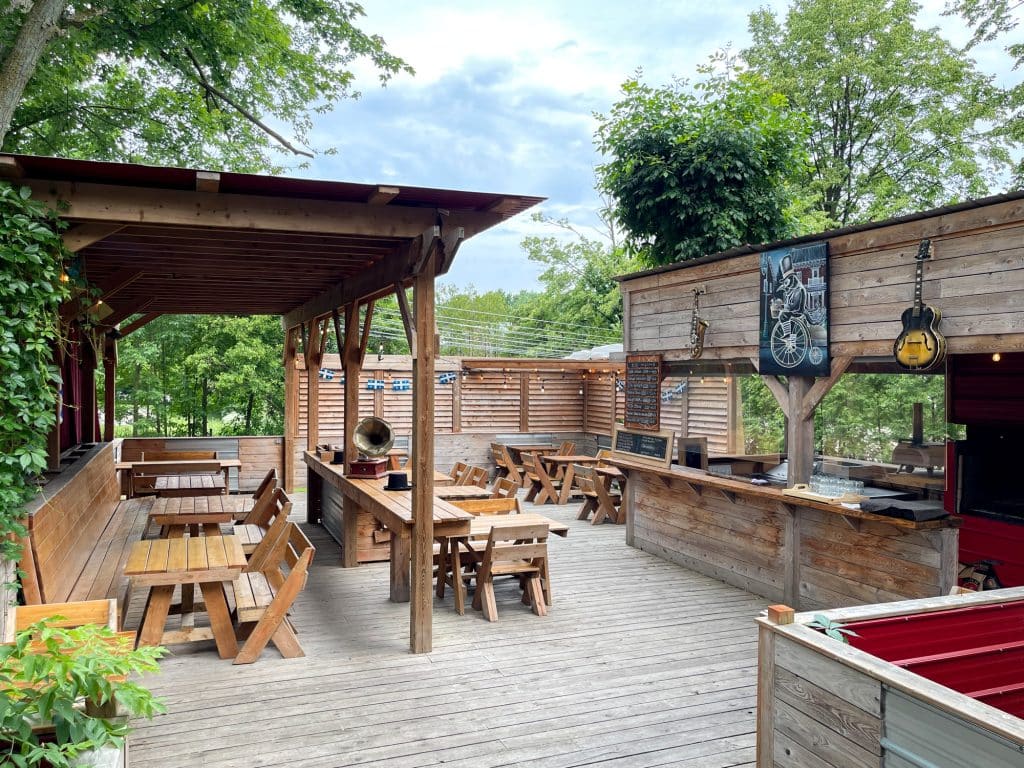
x=350, y=362
x=53, y=438
x=422, y=597
x=524, y=401
x=457, y=403
x=312, y=353
x=291, y=407
x=87, y=361
x=800, y=432
x=822, y=387
x=734, y=402
x=109, y=386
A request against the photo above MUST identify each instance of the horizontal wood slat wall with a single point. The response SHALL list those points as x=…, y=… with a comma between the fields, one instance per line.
x=258, y=454
x=976, y=279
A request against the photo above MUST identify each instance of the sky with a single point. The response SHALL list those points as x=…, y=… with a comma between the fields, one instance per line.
x=503, y=101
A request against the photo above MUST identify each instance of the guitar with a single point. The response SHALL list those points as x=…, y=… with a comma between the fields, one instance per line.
x=698, y=327
x=920, y=346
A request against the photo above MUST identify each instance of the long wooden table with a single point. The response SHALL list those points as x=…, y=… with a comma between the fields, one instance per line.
x=362, y=497
x=126, y=469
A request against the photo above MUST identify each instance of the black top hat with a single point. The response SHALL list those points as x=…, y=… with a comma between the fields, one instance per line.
x=398, y=481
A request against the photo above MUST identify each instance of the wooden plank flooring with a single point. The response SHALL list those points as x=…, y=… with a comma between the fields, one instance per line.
x=639, y=663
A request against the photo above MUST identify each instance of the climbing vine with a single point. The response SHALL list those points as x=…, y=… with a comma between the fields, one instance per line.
x=33, y=282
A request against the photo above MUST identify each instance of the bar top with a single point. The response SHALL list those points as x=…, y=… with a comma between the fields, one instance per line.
x=732, y=488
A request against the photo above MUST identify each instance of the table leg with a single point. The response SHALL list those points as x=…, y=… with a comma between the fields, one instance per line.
x=442, y=567
x=155, y=618
x=457, y=583
x=401, y=563
x=220, y=618
x=567, y=479
x=350, y=514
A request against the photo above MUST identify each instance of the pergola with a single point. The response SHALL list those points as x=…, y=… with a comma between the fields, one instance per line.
x=157, y=240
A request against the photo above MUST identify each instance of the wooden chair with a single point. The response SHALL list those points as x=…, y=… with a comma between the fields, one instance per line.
x=251, y=530
x=457, y=471
x=588, y=482
x=268, y=483
x=567, y=448
x=505, y=506
x=264, y=594
x=102, y=612
x=519, y=550
x=505, y=465
x=543, y=488
x=504, y=488
x=604, y=455
x=473, y=476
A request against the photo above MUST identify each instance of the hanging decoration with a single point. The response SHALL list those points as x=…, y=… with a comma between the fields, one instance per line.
x=446, y=378
x=671, y=394
x=401, y=385
x=326, y=374
x=374, y=384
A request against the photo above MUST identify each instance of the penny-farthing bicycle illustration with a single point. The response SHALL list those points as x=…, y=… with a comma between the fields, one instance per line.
x=790, y=341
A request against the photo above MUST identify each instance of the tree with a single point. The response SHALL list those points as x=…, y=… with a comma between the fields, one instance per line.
x=990, y=19
x=897, y=112
x=183, y=82
x=694, y=173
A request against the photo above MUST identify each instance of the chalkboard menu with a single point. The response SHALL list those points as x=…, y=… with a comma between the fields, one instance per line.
x=643, y=392
x=651, y=446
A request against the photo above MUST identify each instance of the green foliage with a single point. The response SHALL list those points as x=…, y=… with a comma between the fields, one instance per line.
x=991, y=19
x=31, y=266
x=45, y=673
x=833, y=629
x=863, y=416
x=898, y=114
x=195, y=84
x=694, y=173
x=181, y=373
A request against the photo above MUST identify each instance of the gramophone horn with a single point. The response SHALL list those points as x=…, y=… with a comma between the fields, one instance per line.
x=373, y=436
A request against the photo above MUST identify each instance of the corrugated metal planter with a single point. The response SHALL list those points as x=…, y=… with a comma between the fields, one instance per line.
x=930, y=683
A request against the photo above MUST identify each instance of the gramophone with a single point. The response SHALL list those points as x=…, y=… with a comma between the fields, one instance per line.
x=373, y=439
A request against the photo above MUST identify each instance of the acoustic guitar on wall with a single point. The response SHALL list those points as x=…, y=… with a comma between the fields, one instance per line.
x=920, y=346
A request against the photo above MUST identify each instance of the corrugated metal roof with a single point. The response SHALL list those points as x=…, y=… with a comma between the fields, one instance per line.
x=743, y=250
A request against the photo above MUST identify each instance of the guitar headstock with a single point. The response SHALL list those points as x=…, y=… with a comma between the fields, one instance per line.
x=925, y=250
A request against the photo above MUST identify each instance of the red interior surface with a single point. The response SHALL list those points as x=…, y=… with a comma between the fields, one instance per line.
x=1003, y=543
x=977, y=651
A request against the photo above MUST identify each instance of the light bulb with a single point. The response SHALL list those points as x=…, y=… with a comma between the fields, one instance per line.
x=996, y=357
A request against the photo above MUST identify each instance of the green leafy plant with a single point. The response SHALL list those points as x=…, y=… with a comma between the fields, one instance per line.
x=47, y=675
x=833, y=629
x=33, y=282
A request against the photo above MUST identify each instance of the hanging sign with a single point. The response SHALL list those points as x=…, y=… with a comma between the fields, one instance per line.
x=643, y=392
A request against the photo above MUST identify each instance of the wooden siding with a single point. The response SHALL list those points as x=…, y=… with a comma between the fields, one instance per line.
x=774, y=546
x=976, y=278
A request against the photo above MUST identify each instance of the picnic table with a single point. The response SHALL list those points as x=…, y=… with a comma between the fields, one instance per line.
x=605, y=508
x=171, y=512
x=130, y=470
x=163, y=564
x=515, y=451
x=462, y=492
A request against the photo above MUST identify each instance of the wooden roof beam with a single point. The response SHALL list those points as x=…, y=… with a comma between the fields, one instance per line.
x=372, y=282
x=80, y=302
x=207, y=181
x=173, y=207
x=451, y=240
x=137, y=323
x=383, y=195
x=125, y=310
x=10, y=168
x=84, y=235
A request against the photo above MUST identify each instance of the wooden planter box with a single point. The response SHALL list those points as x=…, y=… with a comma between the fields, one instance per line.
x=931, y=682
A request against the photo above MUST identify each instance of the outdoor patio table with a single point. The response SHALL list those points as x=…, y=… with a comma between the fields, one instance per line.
x=197, y=510
x=565, y=469
x=542, y=449
x=462, y=492
x=126, y=469
x=479, y=531
x=163, y=564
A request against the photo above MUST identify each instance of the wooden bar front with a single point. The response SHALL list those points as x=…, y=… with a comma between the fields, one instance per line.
x=804, y=553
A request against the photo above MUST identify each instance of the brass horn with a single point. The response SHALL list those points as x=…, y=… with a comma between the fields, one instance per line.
x=373, y=436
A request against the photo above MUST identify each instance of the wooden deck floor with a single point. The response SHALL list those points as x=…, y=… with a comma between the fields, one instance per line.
x=639, y=663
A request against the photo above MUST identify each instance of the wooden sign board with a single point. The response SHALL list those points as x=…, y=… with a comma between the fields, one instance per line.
x=643, y=392
x=654, y=448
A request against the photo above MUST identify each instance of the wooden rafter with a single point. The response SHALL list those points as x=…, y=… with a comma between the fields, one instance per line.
x=407, y=320
x=125, y=309
x=451, y=240
x=84, y=235
x=365, y=339
x=134, y=325
x=822, y=387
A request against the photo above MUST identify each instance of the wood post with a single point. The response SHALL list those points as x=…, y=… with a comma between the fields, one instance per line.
x=87, y=361
x=421, y=598
x=524, y=401
x=313, y=358
x=53, y=438
x=350, y=364
x=800, y=432
x=109, y=386
x=291, y=407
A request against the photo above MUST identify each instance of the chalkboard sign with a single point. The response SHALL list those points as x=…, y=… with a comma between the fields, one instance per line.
x=655, y=447
x=643, y=392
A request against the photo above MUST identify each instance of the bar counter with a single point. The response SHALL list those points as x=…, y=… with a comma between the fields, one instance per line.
x=805, y=553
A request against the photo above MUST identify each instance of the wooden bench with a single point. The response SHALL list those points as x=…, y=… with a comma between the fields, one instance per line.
x=264, y=594
x=267, y=509
x=142, y=485
x=80, y=533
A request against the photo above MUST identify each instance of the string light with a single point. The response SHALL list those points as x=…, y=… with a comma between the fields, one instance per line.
x=380, y=352
x=542, y=385
x=996, y=357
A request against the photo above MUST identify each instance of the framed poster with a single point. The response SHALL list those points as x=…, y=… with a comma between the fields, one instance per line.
x=794, y=311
